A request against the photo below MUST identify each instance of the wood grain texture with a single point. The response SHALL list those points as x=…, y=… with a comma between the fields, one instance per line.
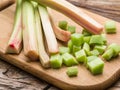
x=107, y=8
x=12, y=78
x=85, y=79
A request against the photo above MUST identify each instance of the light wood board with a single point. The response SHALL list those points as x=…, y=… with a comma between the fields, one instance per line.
x=84, y=80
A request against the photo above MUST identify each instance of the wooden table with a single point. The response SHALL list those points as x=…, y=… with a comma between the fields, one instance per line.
x=12, y=78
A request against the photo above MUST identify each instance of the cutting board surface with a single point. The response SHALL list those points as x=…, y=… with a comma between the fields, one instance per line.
x=84, y=80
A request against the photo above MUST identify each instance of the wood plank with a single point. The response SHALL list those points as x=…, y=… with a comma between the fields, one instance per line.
x=107, y=8
x=111, y=71
x=5, y=3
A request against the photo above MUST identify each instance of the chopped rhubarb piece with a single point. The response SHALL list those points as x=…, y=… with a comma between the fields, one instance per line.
x=70, y=46
x=72, y=71
x=94, y=52
x=100, y=48
x=77, y=39
x=63, y=50
x=56, y=61
x=116, y=49
x=69, y=60
x=86, y=47
x=96, y=40
x=87, y=39
x=71, y=29
x=107, y=55
x=96, y=66
x=110, y=27
x=81, y=56
x=63, y=25
x=75, y=49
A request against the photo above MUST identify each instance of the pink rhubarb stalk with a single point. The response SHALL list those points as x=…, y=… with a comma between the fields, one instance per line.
x=48, y=30
x=74, y=13
x=15, y=43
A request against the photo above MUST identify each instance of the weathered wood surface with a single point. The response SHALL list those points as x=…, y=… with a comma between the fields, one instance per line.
x=12, y=78
x=107, y=8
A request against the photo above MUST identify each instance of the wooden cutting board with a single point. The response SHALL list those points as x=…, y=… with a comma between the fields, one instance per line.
x=5, y=3
x=84, y=81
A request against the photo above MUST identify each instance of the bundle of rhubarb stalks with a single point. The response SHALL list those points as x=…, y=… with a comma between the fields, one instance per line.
x=35, y=31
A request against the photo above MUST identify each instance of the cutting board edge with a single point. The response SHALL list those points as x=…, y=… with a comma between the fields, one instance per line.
x=61, y=84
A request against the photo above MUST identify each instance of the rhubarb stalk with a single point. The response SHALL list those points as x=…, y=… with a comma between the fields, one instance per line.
x=48, y=30
x=15, y=43
x=29, y=31
x=74, y=13
x=59, y=33
x=43, y=56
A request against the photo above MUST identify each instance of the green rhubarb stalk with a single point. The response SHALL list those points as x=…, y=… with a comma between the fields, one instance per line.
x=43, y=56
x=15, y=43
x=34, y=4
x=29, y=31
x=74, y=13
x=48, y=30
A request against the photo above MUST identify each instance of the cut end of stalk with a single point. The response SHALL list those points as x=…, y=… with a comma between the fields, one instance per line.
x=12, y=45
x=43, y=56
x=32, y=55
x=29, y=36
x=45, y=63
x=61, y=34
x=13, y=49
x=100, y=30
x=15, y=42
